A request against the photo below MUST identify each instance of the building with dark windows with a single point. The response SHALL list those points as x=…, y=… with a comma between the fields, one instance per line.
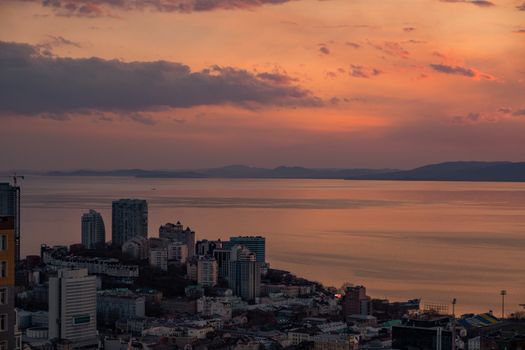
x=9, y=336
x=129, y=219
x=207, y=247
x=222, y=256
x=207, y=271
x=244, y=276
x=93, y=229
x=114, y=304
x=256, y=244
x=177, y=233
x=356, y=302
x=10, y=206
x=421, y=338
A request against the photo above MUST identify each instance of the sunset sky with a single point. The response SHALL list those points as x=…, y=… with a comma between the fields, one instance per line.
x=167, y=84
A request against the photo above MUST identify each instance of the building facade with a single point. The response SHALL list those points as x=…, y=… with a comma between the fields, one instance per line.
x=177, y=233
x=356, y=302
x=129, y=219
x=256, y=245
x=207, y=247
x=58, y=257
x=73, y=307
x=136, y=248
x=207, y=271
x=115, y=304
x=9, y=337
x=222, y=256
x=93, y=229
x=177, y=251
x=158, y=257
x=10, y=206
x=244, y=276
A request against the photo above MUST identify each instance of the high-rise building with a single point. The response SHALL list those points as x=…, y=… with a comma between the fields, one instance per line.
x=10, y=206
x=9, y=337
x=222, y=256
x=256, y=244
x=93, y=229
x=129, y=219
x=73, y=307
x=176, y=232
x=207, y=271
x=356, y=302
x=244, y=276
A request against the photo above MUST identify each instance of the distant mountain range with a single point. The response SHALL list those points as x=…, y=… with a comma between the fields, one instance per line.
x=450, y=171
x=233, y=172
x=459, y=171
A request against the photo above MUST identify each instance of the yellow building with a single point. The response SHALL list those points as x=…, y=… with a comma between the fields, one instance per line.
x=9, y=338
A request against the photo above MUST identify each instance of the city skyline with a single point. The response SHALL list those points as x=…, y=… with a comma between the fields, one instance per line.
x=314, y=83
x=262, y=174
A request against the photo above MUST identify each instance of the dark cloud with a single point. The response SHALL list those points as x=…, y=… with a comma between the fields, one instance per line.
x=391, y=48
x=520, y=31
x=470, y=118
x=353, y=45
x=521, y=7
x=58, y=41
x=505, y=110
x=458, y=70
x=463, y=71
x=55, y=116
x=96, y=8
x=479, y=3
x=359, y=71
x=324, y=50
x=32, y=83
x=519, y=112
x=277, y=78
x=140, y=118
x=409, y=29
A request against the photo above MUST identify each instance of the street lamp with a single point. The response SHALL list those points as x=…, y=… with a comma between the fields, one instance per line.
x=503, y=293
x=454, y=302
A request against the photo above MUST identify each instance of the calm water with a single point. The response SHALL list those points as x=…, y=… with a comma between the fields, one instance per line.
x=433, y=240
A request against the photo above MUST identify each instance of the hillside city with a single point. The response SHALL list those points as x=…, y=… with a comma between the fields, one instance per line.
x=131, y=289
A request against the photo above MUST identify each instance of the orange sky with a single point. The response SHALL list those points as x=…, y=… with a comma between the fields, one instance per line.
x=334, y=83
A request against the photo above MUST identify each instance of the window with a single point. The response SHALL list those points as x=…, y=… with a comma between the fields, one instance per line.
x=3, y=297
x=3, y=269
x=3, y=243
x=3, y=322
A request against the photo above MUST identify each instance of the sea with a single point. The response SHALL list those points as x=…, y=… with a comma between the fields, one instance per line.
x=401, y=239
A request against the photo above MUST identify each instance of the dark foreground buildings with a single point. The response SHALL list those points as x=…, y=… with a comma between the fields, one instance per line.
x=9, y=337
x=10, y=206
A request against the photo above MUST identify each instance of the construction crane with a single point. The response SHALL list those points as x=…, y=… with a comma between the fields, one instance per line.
x=15, y=178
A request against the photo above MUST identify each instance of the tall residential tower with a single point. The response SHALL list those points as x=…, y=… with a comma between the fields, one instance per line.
x=244, y=276
x=93, y=229
x=129, y=219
